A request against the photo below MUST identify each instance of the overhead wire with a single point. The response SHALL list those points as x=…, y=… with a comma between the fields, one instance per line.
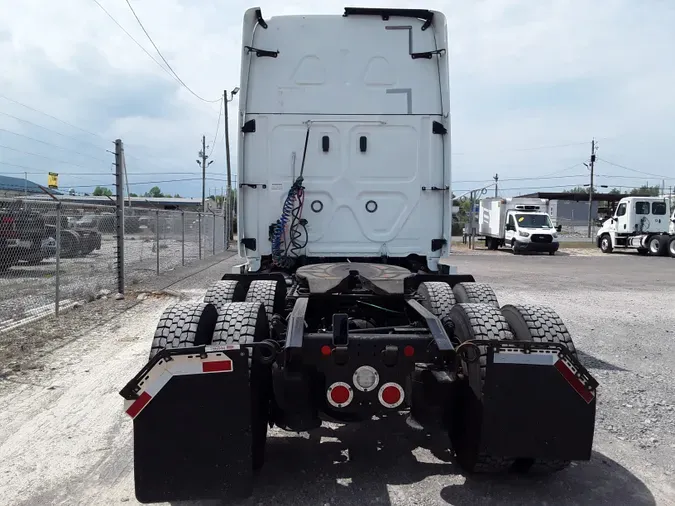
x=51, y=144
x=136, y=183
x=133, y=39
x=215, y=137
x=43, y=156
x=531, y=148
x=53, y=117
x=51, y=130
x=164, y=59
x=632, y=170
x=518, y=179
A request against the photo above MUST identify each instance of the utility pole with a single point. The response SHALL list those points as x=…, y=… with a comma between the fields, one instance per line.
x=202, y=161
x=496, y=178
x=590, y=190
x=228, y=196
x=120, y=170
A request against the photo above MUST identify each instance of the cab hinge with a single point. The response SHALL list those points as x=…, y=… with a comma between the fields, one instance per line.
x=437, y=244
x=249, y=243
x=248, y=127
x=438, y=128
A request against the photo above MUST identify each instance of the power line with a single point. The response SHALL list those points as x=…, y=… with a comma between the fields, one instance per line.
x=153, y=182
x=43, y=156
x=215, y=137
x=53, y=145
x=53, y=117
x=164, y=59
x=633, y=170
x=50, y=130
x=132, y=38
x=635, y=178
x=532, y=148
x=519, y=179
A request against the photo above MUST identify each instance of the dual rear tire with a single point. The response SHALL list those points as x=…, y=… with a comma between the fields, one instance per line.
x=476, y=316
x=229, y=315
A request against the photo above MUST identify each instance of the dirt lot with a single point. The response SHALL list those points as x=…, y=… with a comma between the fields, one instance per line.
x=64, y=438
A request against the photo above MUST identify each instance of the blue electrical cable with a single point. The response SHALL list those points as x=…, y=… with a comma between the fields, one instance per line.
x=280, y=256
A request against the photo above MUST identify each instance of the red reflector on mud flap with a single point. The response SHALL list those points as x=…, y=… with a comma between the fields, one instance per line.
x=575, y=382
x=217, y=366
x=139, y=404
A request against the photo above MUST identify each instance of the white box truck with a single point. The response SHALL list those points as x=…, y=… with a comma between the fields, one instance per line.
x=641, y=223
x=521, y=224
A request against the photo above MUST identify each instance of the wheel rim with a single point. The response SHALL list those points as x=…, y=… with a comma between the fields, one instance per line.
x=654, y=246
x=605, y=243
x=672, y=248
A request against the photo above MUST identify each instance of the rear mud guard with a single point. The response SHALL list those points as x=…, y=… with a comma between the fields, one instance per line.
x=538, y=402
x=191, y=411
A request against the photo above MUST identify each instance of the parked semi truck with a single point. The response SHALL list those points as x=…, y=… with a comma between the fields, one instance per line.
x=341, y=309
x=645, y=224
x=521, y=224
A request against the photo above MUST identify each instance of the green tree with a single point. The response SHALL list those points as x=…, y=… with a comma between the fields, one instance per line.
x=615, y=191
x=646, y=191
x=101, y=191
x=177, y=196
x=133, y=195
x=155, y=192
x=577, y=189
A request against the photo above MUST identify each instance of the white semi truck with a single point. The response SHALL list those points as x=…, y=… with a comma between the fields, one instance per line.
x=645, y=224
x=342, y=310
x=521, y=224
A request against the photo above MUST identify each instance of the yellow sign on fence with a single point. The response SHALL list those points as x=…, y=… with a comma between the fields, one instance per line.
x=53, y=180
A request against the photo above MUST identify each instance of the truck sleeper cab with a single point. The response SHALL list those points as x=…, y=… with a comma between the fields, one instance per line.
x=344, y=123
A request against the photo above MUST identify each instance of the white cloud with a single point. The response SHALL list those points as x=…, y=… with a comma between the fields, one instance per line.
x=523, y=74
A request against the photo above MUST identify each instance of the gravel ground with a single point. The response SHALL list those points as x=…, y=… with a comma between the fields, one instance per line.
x=64, y=438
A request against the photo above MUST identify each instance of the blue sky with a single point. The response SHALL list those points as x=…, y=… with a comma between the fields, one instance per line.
x=531, y=82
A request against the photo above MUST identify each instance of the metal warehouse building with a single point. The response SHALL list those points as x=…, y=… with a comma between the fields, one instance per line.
x=571, y=209
x=19, y=187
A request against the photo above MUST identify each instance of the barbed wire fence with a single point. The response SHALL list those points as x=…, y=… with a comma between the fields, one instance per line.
x=57, y=252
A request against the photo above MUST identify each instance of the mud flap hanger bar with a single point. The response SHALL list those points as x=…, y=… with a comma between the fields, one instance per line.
x=441, y=339
x=263, y=352
x=530, y=347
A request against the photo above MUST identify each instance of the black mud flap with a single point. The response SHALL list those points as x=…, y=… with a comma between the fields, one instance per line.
x=538, y=402
x=191, y=411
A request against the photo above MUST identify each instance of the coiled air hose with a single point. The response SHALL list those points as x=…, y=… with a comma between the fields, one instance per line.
x=292, y=209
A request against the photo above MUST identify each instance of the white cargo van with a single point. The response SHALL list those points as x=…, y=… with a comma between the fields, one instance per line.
x=521, y=224
x=344, y=143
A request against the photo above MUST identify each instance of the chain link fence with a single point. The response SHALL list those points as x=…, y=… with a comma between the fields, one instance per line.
x=55, y=254
x=166, y=240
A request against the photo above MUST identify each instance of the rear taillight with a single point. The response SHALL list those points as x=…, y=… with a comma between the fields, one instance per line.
x=8, y=227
